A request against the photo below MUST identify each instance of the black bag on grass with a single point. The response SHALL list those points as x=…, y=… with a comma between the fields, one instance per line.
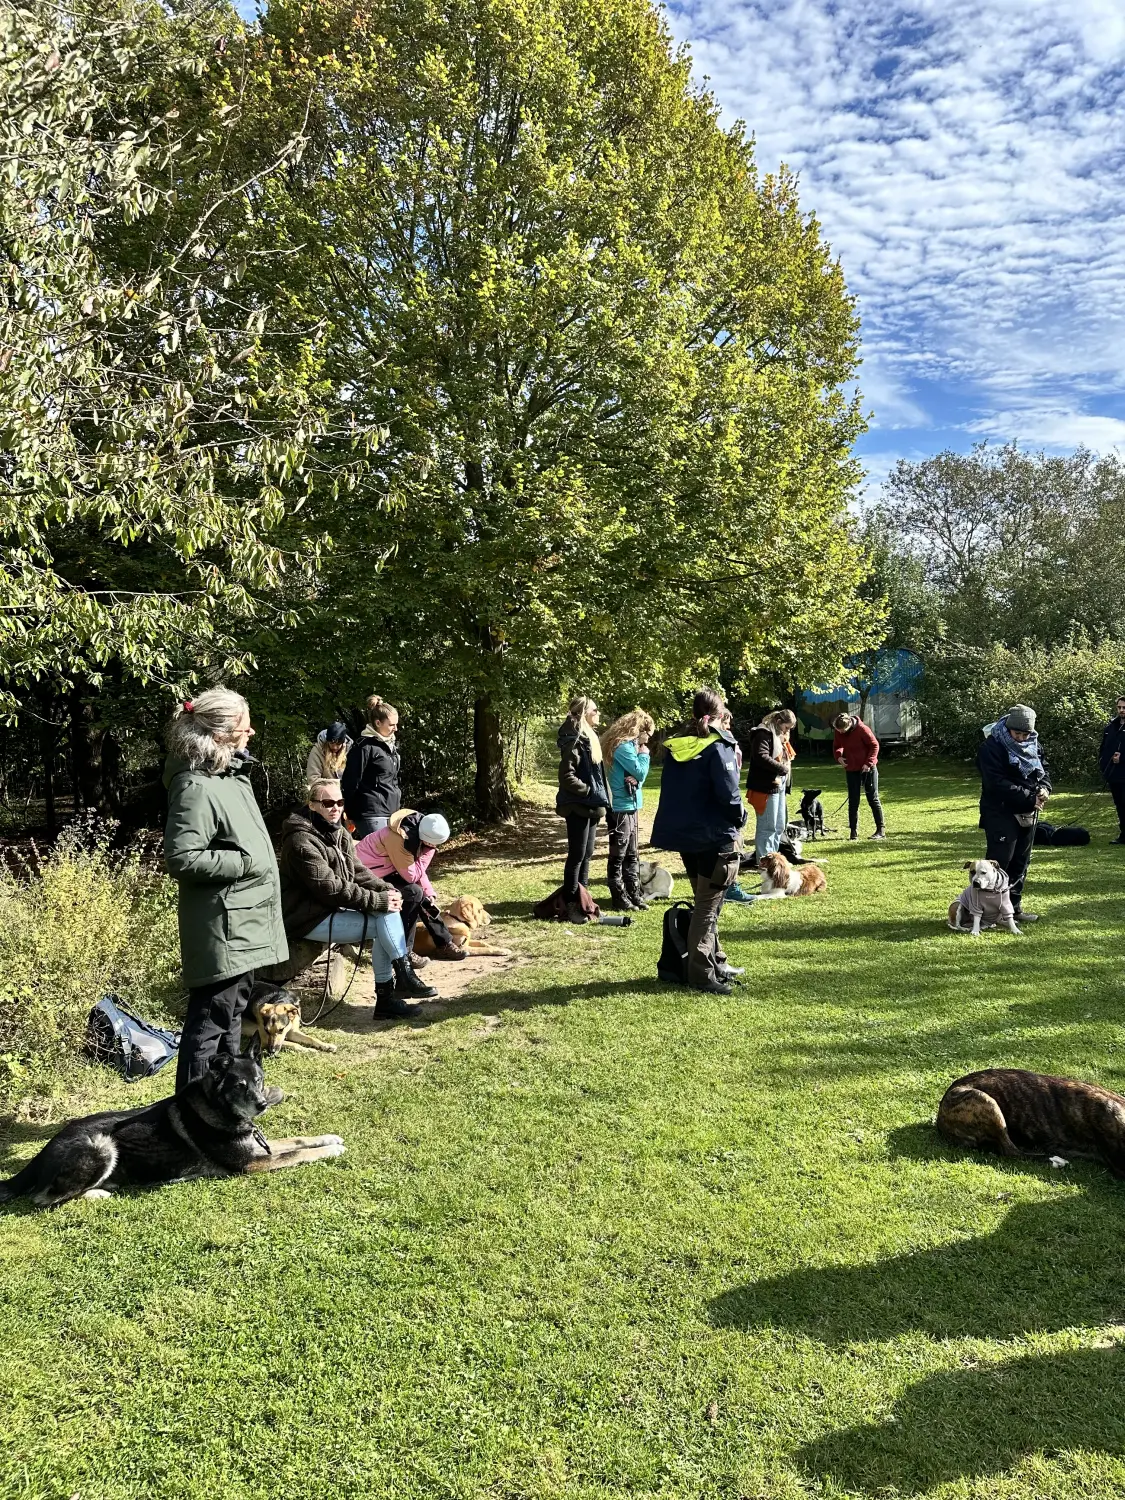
x=672, y=965
x=136, y=1048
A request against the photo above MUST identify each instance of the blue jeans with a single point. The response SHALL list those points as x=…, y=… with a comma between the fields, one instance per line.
x=364, y=826
x=382, y=929
x=770, y=827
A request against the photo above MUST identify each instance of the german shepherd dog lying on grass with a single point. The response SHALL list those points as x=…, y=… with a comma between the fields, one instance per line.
x=206, y=1130
x=1032, y=1114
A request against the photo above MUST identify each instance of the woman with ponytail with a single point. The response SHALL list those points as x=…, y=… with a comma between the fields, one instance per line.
x=217, y=850
x=700, y=816
x=370, y=781
x=582, y=796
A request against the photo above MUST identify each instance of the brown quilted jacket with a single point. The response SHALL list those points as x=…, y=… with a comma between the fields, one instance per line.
x=320, y=874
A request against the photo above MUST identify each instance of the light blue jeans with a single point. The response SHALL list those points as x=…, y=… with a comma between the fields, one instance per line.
x=770, y=827
x=382, y=929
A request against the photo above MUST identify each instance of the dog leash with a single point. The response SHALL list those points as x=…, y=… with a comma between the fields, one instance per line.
x=328, y=971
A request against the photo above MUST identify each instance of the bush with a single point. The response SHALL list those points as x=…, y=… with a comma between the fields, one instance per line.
x=1072, y=688
x=73, y=925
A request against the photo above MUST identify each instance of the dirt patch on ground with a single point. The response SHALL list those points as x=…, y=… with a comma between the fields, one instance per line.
x=356, y=1013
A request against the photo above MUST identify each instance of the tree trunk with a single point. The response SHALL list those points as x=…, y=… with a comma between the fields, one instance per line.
x=47, y=741
x=97, y=758
x=493, y=794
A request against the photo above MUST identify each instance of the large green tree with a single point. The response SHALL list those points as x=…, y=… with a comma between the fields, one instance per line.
x=151, y=440
x=611, y=360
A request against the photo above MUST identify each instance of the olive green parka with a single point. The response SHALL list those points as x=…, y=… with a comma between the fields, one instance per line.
x=217, y=850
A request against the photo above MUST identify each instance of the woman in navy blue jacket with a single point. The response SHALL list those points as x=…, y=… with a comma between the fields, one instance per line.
x=701, y=815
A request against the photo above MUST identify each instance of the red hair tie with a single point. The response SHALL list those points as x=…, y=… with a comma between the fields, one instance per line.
x=189, y=706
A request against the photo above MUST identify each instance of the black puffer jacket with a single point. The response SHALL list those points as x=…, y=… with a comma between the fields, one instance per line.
x=370, y=782
x=582, y=783
x=1005, y=789
x=1113, y=742
x=320, y=874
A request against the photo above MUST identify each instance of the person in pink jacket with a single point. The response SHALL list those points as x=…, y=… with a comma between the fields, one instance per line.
x=401, y=854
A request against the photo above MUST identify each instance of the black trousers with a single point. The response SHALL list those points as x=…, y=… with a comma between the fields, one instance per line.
x=868, y=782
x=623, y=866
x=580, y=834
x=1010, y=845
x=1117, y=788
x=710, y=873
x=213, y=1024
x=415, y=909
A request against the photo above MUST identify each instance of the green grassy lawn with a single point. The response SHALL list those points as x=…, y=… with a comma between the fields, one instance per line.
x=596, y=1237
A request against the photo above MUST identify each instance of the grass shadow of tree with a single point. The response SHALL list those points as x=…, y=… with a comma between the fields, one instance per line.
x=970, y=1423
x=1050, y=1265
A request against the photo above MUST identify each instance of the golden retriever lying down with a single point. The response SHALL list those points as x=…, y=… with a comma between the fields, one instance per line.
x=464, y=917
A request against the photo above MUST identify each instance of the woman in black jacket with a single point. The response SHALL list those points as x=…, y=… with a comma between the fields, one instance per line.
x=371, y=776
x=1014, y=788
x=1112, y=759
x=582, y=798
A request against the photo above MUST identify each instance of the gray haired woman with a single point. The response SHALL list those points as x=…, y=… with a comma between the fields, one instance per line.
x=217, y=849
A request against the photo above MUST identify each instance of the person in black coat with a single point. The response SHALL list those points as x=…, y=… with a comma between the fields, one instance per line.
x=370, y=782
x=1014, y=788
x=701, y=816
x=1112, y=758
x=583, y=796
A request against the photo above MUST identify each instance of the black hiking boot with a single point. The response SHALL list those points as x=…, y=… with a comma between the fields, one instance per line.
x=713, y=987
x=387, y=1003
x=407, y=984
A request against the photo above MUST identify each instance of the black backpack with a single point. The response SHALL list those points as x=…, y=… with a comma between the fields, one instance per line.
x=136, y=1048
x=672, y=965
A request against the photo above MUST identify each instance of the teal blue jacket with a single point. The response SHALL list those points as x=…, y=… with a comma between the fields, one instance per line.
x=628, y=760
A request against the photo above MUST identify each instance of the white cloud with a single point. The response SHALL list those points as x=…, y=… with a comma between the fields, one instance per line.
x=965, y=158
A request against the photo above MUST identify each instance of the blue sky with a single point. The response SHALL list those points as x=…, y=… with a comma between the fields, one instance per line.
x=966, y=159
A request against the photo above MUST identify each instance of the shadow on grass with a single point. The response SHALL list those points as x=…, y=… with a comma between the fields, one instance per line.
x=489, y=1003
x=1049, y=1265
x=970, y=1423
x=17, y=1133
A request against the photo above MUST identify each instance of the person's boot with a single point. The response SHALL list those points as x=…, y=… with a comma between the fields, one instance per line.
x=637, y=897
x=448, y=952
x=712, y=986
x=880, y=833
x=388, y=1003
x=407, y=984
x=618, y=899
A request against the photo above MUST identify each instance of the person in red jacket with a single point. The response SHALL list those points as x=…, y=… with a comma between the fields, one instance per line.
x=857, y=750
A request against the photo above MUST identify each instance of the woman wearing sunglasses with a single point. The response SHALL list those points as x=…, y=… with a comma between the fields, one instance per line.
x=328, y=896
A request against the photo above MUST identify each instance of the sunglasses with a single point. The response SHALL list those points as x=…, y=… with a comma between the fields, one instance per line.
x=329, y=802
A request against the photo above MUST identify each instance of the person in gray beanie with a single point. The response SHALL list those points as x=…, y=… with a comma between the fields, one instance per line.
x=1014, y=789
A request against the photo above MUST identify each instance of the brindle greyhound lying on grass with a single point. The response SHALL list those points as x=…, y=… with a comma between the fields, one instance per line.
x=206, y=1130
x=1032, y=1114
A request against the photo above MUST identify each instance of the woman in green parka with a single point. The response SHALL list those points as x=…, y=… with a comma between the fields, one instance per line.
x=217, y=849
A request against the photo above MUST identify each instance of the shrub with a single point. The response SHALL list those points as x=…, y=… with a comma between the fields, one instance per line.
x=79, y=922
x=1071, y=686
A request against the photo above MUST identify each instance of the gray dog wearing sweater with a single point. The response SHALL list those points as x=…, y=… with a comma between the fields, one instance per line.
x=985, y=897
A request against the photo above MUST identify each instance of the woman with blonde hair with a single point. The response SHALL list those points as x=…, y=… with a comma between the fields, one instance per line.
x=370, y=780
x=217, y=850
x=626, y=759
x=582, y=796
x=767, y=778
x=329, y=753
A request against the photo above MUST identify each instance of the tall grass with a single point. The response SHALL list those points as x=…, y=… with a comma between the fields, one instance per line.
x=75, y=923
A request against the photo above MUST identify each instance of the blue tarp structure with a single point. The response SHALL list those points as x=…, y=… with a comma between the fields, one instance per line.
x=891, y=709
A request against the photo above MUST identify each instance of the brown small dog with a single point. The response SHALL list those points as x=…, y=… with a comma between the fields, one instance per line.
x=278, y=1024
x=464, y=917
x=1033, y=1114
x=780, y=879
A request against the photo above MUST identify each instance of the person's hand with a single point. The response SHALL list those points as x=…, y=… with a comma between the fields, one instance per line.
x=1041, y=799
x=394, y=900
